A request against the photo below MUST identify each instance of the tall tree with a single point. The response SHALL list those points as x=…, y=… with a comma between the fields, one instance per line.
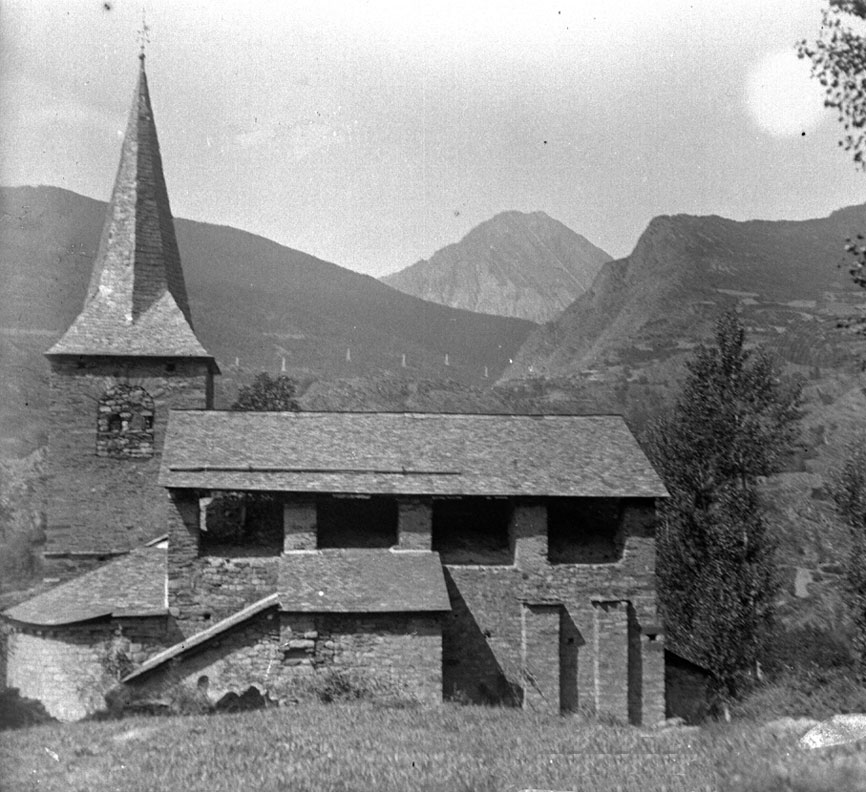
x=848, y=485
x=267, y=393
x=733, y=422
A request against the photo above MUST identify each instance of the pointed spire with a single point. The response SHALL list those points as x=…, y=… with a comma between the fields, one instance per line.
x=136, y=302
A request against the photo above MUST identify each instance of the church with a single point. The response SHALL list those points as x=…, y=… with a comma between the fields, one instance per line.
x=498, y=559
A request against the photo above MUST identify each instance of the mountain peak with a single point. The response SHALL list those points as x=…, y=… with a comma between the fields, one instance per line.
x=521, y=264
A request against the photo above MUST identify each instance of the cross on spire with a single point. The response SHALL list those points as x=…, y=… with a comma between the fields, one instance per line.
x=143, y=37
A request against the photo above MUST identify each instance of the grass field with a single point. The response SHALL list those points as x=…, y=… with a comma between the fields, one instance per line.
x=361, y=747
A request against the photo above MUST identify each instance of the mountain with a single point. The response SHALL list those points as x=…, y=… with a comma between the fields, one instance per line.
x=253, y=301
x=622, y=347
x=653, y=306
x=515, y=264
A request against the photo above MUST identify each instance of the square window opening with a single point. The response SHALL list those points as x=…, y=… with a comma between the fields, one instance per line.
x=356, y=521
x=585, y=531
x=242, y=524
x=473, y=530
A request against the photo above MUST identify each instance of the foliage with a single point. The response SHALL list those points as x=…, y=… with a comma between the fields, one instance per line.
x=114, y=659
x=808, y=672
x=848, y=486
x=335, y=685
x=810, y=692
x=733, y=422
x=21, y=522
x=268, y=394
x=838, y=59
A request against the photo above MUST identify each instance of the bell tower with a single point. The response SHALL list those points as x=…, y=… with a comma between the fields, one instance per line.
x=128, y=357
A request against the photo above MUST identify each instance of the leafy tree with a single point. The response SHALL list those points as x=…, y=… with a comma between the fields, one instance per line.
x=838, y=59
x=839, y=62
x=733, y=422
x=848, y=486
x=268, y=394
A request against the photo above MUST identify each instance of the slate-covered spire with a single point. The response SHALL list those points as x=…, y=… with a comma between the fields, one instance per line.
x=136, y=303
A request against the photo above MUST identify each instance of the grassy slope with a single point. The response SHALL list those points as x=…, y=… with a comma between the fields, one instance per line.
x=360, y=747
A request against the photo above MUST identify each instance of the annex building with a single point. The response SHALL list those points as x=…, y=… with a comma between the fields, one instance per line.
x=481, y=558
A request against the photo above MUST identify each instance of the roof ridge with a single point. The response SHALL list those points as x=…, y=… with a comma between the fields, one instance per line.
x=408, y=413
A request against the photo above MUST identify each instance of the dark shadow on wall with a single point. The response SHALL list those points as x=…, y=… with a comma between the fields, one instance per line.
x=635, y=669
x=570, y=641
x=687, y=689
x=470, y=671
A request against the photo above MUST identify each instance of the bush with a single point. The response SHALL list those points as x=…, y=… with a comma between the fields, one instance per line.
x=808, y=692
x=334, y=685
x=267, y=393
x=807, y=648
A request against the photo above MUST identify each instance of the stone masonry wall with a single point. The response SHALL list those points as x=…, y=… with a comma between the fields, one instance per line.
x=299, y=524
x=98, y=505
x=287, y=655
x=204, y=589
x=398, y=654
x=610, y=633
x=63, y=667
x=595, y=616
x=541, y=658
x=484, y=636
x=247, y=655
x=415, y=523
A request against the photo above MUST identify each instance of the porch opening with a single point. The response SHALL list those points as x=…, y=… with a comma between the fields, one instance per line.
x=356, y=521
x=584, y=531
x=242, y=523
x=472, y=530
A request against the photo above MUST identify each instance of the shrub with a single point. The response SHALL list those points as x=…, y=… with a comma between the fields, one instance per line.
x=336, y=685
x=267, y=393
x=186, y=699
x=332, y=685
x=809, y=692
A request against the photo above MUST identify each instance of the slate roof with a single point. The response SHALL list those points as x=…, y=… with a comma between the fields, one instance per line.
x=407, y=453
x=136, y=302
x=362, y=581
x=133, y=585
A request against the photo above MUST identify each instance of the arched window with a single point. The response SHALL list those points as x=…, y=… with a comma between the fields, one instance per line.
x=124, y=422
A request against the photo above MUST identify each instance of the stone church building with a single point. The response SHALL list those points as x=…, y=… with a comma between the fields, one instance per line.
x=480, y=558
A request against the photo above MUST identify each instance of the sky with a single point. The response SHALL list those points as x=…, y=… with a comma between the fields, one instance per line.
x=371, y=134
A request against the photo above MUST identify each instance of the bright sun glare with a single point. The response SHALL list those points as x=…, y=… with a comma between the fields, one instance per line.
x=782, y=99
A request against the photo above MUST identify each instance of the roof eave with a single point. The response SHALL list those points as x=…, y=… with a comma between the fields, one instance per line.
x=67, y=353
